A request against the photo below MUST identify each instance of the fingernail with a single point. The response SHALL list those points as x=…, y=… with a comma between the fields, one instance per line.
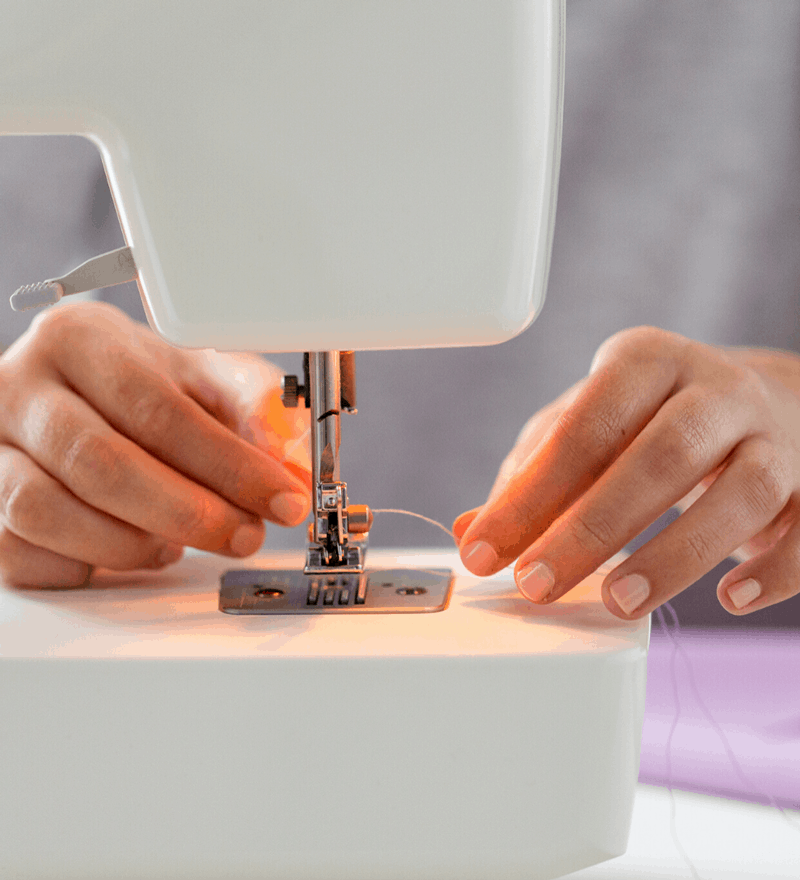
x=246, y=539
x=744, y=592
x=288, y=507
x=630, y=591
x=479, y=557
x=462, y=523
x=535, y=581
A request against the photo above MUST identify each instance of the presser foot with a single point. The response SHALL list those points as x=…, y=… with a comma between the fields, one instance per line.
x=352, y=559
x=389, y=591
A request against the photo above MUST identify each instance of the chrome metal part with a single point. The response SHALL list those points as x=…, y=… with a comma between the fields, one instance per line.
x=390, y=591
x=291, y=391
x=347, y=373
x=330, y=390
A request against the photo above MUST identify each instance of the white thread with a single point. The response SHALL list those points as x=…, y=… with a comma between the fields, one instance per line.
x=287, y=450
x=743, y=778
x=418, y=515
x=673, y=825
x=677, y=647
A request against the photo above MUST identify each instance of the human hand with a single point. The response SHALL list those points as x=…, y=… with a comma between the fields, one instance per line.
x=660, y=420
x=117, y=450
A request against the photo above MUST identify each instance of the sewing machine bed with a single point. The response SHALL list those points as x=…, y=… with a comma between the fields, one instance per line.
x=145, y=734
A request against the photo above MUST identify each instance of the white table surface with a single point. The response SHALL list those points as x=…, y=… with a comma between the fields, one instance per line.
x=725, y=840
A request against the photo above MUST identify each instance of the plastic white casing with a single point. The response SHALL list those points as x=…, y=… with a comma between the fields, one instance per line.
x=300, y=175
x=146, y=736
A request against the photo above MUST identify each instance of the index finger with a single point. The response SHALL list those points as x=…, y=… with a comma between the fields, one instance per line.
x=149, y=409
x=609, y=410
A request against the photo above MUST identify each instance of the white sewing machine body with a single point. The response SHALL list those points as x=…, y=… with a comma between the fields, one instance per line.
x=316, y=177
x=146, y=735
x=295, y=175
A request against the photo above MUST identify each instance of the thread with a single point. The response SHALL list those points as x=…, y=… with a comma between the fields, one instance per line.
x=678, y=648
x=673, y=823
x=417, y=515
x=289, y=449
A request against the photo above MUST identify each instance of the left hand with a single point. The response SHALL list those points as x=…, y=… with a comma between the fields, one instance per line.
x=659, y=419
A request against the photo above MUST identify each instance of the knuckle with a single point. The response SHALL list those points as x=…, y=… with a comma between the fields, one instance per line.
x=91, y=463
x=592, y=531
x=49, y=328
x=52, y=321
x=589, y=440
x=700, y=548
x=24, y=565
x=149, y=413
x=687, y=444
x=636, y=344
x=519, y=511
x=137, y=551
x=194, y=520
x=742, y=383
x=766, y=484
x=71, y=321
x=24, y=508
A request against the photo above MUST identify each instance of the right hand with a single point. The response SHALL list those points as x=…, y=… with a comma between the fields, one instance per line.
x=117, y=450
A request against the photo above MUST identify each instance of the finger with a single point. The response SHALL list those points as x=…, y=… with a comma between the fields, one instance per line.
x=109, y=472
x=282, y=432
x=688, y=438
x=243, y=392
x=254, y=386
x=24, y=565
x=39, y=510
x=150, y=410
x=229, y=385
x=532, y=434
x=609, y=412
x=768, y=578
x=192, y=369
x=463, y=522
x=743, y=499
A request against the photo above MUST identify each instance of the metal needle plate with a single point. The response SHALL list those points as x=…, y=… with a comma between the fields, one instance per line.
x=392, y=591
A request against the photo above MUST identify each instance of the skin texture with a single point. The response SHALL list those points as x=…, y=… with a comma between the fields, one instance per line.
x=118, y=450
x=659, y=421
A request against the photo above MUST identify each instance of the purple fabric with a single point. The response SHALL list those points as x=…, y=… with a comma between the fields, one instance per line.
x=749, y=681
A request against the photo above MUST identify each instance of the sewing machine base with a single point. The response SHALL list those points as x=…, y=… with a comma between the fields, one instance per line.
x=288, y=591
x=146, y=735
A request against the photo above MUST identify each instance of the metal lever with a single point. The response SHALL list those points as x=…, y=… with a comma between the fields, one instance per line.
x=114, y=267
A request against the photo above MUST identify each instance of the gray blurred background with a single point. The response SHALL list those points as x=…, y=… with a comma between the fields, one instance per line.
x=679, y=206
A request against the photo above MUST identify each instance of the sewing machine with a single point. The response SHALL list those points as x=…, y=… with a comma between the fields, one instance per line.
x=321, y=178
